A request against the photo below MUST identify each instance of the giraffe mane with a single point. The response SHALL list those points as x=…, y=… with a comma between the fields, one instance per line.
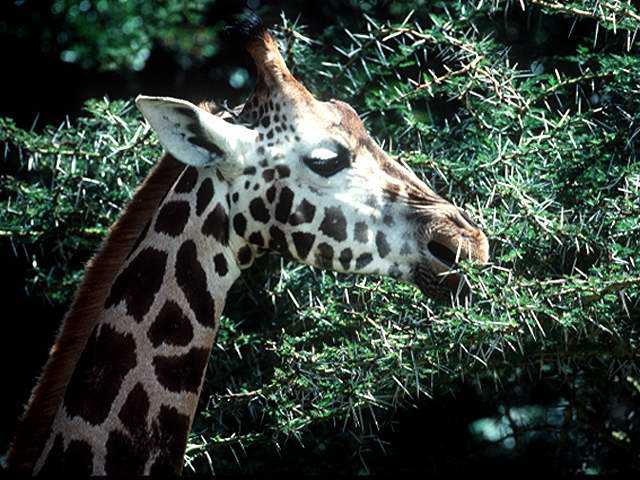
x=87, y=304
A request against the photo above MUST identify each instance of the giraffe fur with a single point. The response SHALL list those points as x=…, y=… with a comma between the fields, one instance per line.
x=284, y=173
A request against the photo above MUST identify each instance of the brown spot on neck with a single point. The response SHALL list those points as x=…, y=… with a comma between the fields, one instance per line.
x=82, y=317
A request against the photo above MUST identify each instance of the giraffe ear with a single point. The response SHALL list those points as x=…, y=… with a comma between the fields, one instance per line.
x=195, y=136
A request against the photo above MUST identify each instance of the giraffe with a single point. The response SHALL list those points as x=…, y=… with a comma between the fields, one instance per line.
x=286, y=173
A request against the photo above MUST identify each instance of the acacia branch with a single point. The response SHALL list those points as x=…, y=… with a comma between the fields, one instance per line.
x=437, y=80
x=559, y=7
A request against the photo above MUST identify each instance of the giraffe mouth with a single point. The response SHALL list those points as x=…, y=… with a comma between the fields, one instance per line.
x=440, y=285
x=436, y=275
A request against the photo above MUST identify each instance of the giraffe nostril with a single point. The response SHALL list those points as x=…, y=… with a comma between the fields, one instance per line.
x=442, y=253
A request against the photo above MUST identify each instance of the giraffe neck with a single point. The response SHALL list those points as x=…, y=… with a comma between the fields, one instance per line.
x=132, y=397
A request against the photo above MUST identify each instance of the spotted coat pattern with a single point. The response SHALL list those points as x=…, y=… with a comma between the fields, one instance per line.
x=129, y=405
x=304, y=180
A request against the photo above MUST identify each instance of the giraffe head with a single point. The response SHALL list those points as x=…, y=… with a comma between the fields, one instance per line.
x=304, y=178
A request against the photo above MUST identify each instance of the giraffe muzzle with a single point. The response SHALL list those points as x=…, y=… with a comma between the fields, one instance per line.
x=444, y=244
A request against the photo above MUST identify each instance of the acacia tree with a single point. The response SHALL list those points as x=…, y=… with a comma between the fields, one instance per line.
x=528, y=114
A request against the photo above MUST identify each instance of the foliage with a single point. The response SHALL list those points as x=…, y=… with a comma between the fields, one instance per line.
x=73, y=185
x=528, y=114
x=116, y=34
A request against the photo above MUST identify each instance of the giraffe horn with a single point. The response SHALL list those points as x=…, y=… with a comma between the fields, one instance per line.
x=273, y=73
x=272, y=69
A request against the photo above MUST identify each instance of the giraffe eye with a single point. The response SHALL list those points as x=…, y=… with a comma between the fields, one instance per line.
x=327, y=161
